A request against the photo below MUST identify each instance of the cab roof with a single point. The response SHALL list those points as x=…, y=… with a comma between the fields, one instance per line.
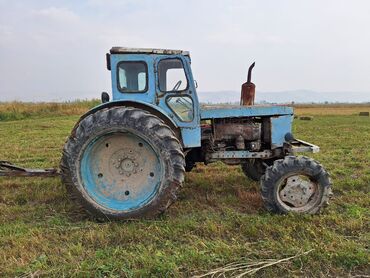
x=129, y=50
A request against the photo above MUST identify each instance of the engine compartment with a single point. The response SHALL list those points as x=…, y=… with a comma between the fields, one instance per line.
x=233, y=134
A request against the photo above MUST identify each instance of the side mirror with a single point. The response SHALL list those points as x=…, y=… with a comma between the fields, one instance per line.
x=104, y=97
x=195, y=83
x=107, y=57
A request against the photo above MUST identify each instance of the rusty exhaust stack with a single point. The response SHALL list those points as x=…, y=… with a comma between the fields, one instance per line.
x=248, y=89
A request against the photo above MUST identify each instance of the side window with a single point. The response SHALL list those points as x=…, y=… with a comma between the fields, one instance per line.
x=132, y=77
x=182, y=106
x=171, y=75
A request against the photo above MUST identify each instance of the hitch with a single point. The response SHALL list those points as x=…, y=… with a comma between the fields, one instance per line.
x=8, y=169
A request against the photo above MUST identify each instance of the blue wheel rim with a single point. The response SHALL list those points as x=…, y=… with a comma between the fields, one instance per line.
x=120, y=171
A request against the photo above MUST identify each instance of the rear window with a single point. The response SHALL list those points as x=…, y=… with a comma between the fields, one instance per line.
x=132, y=77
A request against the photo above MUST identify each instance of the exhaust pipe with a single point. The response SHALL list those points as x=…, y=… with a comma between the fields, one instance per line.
x=248, y=89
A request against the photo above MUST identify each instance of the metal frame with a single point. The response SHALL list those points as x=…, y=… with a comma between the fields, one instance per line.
x=240, y=154
x=297, y=146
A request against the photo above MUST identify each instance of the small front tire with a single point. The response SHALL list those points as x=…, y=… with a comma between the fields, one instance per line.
x=295, y=184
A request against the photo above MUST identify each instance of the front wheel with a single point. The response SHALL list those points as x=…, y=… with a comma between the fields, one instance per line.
x=295, y=184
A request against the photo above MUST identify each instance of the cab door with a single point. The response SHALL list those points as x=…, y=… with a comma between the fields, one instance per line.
x=175, y=93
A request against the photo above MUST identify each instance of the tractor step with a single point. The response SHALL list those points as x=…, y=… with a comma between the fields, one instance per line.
x=8, y=169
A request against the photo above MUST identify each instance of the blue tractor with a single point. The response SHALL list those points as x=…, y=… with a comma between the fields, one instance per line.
x=127, y=157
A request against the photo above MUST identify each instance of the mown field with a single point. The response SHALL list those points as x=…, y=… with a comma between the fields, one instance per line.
x=218, y=219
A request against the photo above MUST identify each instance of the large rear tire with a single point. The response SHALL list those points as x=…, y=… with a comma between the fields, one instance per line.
x=295, y=184
x=123, y=163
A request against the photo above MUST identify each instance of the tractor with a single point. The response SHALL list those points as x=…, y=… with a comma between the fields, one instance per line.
x=127, y=157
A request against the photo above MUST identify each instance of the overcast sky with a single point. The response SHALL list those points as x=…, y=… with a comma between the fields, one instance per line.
x=55, y=50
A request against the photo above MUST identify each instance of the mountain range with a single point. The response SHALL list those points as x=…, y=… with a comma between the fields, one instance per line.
x=297, y=96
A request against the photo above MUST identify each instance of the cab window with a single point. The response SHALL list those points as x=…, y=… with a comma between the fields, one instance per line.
x=132, y=77
x=182, y=106
x=171, y=74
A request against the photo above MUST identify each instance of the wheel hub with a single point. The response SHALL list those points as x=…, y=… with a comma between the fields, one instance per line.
x=126, y=162
x=297, y=191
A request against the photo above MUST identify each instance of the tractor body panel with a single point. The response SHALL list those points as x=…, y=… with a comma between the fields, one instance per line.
x=280, y=127
x=237, y=111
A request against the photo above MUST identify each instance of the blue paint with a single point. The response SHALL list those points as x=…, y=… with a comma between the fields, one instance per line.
x=280, y=126
x=244, y=111
x=108, y=192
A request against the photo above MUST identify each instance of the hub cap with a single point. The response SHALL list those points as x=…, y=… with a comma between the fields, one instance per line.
x=120, y=171
x=298, y=193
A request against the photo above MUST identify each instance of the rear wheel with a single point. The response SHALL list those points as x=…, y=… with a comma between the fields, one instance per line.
x=122, y=163
x=295, y=184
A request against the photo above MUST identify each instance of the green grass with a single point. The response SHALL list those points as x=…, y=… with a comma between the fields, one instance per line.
x=218, y=219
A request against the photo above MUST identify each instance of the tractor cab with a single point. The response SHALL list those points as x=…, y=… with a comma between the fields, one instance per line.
x=160, y=80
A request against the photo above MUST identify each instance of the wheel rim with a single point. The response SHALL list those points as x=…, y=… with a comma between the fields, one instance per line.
x=120, y=171
x=298, y=193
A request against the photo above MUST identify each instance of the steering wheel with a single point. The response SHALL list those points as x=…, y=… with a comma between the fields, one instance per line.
x=177, y=85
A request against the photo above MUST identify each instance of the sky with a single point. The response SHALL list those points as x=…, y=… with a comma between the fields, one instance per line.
x=55, y=50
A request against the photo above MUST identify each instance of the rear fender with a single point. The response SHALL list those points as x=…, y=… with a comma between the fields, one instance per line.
x=155, y=110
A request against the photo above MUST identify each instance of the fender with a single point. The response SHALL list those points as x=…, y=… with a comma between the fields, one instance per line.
x=155, y=110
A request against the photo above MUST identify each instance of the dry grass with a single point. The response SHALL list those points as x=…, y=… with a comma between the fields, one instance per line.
x=21, y=110
x=330, y=109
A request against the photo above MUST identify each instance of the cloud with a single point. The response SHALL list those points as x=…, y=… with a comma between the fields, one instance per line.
x=59, y=15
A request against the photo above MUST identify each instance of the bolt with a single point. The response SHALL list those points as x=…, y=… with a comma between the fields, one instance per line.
x=135, y=171
x=128, y=174
x=121, y=172
x=136, y=164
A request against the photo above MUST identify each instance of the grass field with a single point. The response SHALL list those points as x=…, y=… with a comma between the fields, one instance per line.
x=218, y=218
